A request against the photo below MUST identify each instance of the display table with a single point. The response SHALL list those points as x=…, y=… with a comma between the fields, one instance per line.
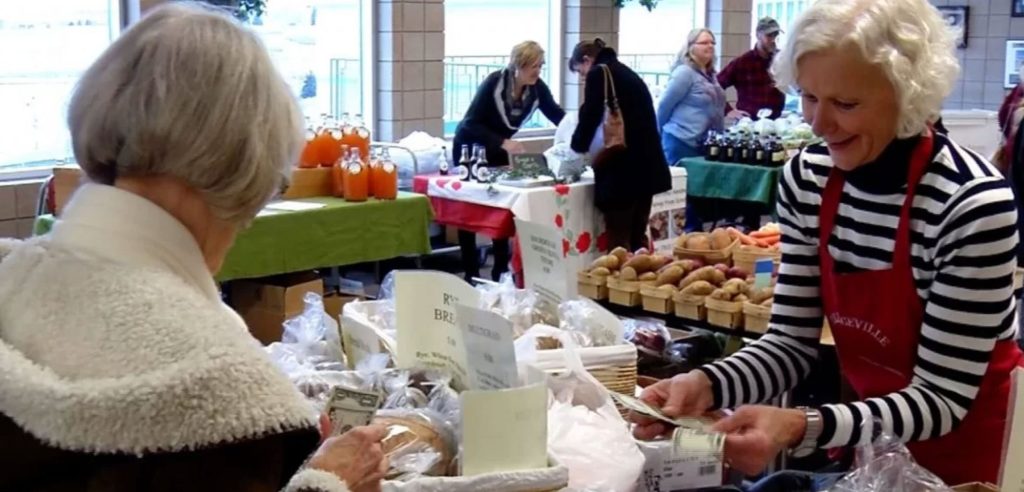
x=339, y=233
x=726, y=189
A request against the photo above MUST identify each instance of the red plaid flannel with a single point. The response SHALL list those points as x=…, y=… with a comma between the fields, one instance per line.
x=754, y=85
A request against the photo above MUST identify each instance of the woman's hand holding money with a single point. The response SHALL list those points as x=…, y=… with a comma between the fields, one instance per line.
x=685, y=395
x=356, y=457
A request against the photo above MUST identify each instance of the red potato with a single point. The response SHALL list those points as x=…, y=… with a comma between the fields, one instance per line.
x=722, y=267
x=735, y=273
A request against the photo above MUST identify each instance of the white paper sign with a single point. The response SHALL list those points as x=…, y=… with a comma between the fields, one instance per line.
x=490, y=354
x=504, y=430
x=664, y=470
x=428, y=333
x=544, y=267
x=668, y=213
x=1012, y=477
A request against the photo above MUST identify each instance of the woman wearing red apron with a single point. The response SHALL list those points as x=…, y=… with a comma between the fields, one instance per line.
x=902, y=240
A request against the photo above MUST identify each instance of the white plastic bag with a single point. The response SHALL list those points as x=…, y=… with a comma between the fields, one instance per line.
x=587, y=434
x=563, y=134
x=429, y=151
x=885, y=465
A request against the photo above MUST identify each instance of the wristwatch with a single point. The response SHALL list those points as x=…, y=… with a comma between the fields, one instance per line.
x=811, y=434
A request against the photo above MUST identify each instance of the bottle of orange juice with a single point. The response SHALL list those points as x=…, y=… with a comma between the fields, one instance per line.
x=328, y=143
x=310, y=156
x=338, y=175
x=386, y=181
x=357, y=178
x=362, y=134
x=374, y=168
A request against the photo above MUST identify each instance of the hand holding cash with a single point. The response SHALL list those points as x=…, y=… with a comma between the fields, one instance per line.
x=690, y=436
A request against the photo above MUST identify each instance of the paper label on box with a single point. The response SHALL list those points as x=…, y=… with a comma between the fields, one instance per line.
x=763, y=269
x=665, y=471
x=428, y=333
x=490, y=353
x=504, y=430
x=544, y=268
x=1012, y=477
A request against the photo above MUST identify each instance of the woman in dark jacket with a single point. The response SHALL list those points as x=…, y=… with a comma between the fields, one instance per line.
x=503, y=102
x=625, y=179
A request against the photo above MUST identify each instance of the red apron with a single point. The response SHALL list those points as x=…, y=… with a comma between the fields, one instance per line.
x=876, y=320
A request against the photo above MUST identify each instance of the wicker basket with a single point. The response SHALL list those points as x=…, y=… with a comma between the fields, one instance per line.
x=708, y=257
x=592, y=286
x=656, y=300
x=690, y=306
x=623, y=292
x=614, y=367
x=755, y=317
x=724, y=314
x=746, y=256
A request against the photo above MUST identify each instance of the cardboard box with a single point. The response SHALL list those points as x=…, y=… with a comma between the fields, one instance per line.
x=266, y=303
x=65, y=181
x=334, y=302
x=976, y=487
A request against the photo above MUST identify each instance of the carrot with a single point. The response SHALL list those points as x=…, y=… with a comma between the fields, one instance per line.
x=733, y=232
x=763, y=234
x=747, y=240
x=770, y=241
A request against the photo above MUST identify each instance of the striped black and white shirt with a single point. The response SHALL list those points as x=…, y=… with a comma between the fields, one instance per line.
x=964, y=253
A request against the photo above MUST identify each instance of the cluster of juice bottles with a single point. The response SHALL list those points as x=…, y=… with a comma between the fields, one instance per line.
x=344, y=146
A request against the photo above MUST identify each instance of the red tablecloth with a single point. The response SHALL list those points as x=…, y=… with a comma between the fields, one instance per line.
x=493, y=222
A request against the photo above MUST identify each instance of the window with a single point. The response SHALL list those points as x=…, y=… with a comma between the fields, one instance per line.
x=323, y=49
x=47, y=45
x=477, y=43
x=785, y=13
x=649, y=40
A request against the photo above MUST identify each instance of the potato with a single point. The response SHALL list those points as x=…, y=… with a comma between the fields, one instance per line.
x=699, y=288
x=660, y=261
x=768, y=302
x=628, y=274
x=667, y=287
x=641, y=263
x=698, y=242
x=721, y=295
x=740, y=298
x=735, y=286
x=601, y=272
x=621, y=253
x=648, y=276
x=720, y=239
x=757, y=296
x=610, y=262
x=707, y=273
x=671, y=275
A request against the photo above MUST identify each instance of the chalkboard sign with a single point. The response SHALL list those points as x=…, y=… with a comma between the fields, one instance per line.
x=529, y=161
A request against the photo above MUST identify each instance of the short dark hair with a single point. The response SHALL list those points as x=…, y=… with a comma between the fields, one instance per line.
x=585, y=48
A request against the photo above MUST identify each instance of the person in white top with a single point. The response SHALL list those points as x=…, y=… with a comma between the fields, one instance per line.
x=120, y=366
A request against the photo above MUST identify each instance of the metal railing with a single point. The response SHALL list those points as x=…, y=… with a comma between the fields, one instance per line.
x=346, y=86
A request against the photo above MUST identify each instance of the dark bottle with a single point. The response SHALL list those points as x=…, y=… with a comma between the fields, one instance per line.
x=481, y=171
x=756, y=151
x=728, y=149
x=743, y=151
x=778, y=153
x=442, y=167
x=712, y=149
x=465, y=164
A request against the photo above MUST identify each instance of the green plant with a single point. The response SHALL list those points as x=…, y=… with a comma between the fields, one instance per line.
x=647, y=4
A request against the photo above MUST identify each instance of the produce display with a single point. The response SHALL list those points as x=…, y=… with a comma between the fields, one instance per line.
x=768, y=236
x=344, y=147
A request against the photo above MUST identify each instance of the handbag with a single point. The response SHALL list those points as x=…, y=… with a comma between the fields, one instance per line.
x=614, y=126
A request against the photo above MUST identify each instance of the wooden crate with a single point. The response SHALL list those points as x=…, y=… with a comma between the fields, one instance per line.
x=623, y=292
x=592, y=286
x=708, y=257
x=724, y=314
x=755, y=317
x=656, y=300
x=689, y=306
x=746, y=256
x=307, y=183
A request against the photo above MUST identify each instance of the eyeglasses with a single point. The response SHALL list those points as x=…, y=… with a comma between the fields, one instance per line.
x=705, y=43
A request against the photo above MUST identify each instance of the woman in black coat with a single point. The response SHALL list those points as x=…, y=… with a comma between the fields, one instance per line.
x=504, y=101
x=625, y=179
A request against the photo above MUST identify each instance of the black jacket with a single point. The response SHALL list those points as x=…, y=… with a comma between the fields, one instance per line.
x=490, y=120
x=641, y=170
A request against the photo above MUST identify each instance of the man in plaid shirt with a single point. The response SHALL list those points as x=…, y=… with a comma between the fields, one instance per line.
x=749, y=74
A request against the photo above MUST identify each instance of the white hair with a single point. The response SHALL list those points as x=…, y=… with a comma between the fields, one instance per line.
x=189, y=93
x=908, y=39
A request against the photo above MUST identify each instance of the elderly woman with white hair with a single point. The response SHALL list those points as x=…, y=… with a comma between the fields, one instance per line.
x=903, y=240
x=120, y=367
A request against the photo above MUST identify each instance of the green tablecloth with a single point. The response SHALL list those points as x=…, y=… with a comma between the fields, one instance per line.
x=341, y=233
x=730, y=181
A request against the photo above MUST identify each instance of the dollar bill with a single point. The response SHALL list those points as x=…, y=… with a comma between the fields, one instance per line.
x=348, y=408
x=689, y=441
x=643, y=408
